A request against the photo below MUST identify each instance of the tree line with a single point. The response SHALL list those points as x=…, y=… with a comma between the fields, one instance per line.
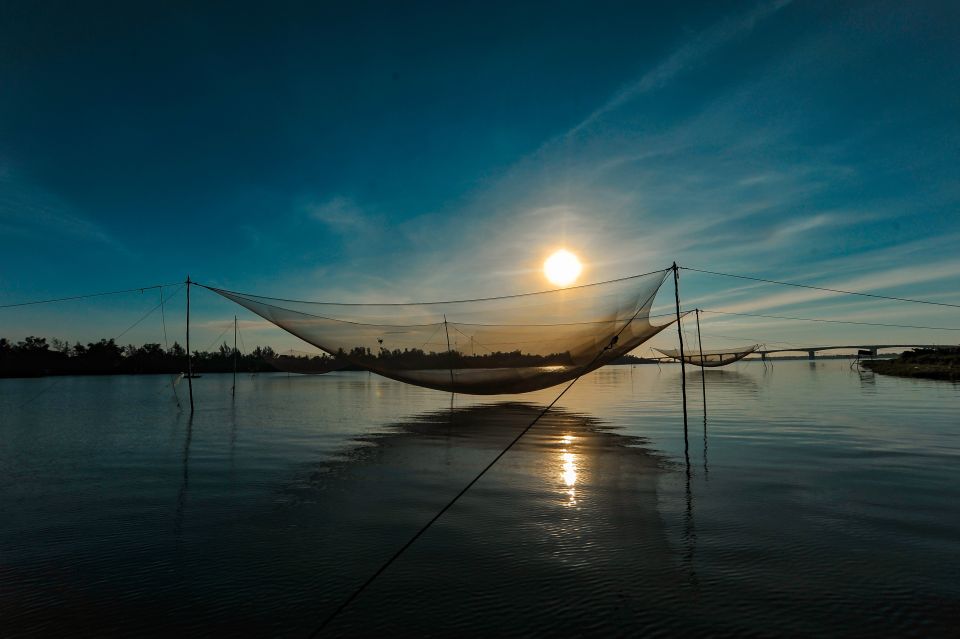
x=35, y=356
x=418, y=359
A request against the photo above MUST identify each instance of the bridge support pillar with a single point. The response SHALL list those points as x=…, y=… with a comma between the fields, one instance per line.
x=811, y=354
x=873, y=351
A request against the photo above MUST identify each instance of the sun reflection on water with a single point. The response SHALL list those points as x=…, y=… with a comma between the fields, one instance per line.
x=568, y=470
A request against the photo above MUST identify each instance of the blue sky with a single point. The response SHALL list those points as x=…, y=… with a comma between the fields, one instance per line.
x=372, y=152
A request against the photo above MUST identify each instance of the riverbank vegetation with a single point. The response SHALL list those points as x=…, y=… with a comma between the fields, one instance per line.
x=36, y=357
x=939, y=363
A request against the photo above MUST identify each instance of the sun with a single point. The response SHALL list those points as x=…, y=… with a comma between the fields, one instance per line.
x=562, y=268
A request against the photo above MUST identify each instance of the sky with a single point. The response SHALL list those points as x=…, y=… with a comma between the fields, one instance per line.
x=417, y=151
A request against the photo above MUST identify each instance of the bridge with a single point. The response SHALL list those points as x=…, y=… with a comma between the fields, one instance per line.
x=813, y=350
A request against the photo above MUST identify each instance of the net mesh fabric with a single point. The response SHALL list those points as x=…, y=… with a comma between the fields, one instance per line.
x=511, y=344
x=712, y=358
x=303, y=363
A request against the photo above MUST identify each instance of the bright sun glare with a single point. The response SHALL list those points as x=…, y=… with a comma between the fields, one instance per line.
x=562, y=268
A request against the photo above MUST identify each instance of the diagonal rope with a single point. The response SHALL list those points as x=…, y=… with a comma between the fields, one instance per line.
x=823, y=288
x=435, y=331
x=356, y=593
x=830, y=321
x=140, y=289
x=148, y=313
x=217, y=338
x=243, y=345
x=474, y=342
x=127, y=330
x=166, y=346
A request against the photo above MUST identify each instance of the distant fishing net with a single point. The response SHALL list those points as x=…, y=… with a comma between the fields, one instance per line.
x=512, y=344
x=713, y=358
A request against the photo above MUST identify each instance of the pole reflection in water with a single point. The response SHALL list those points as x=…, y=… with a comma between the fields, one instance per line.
x=178, y=516
x=690, y=537
x=185, y=479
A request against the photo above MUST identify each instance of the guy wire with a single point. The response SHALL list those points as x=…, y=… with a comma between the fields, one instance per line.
x=140, y=289
x=811, y=319
x=166, y=346
x=482, y=472
x=822, y=288
x=127, y=330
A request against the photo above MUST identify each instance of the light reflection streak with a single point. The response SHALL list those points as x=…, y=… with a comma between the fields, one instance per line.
x=568, y=470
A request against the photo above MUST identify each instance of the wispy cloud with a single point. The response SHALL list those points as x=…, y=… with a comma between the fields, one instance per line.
x=684, y=57
x=720, y=188
x=615, y=200
x=341, y=214
x=33, y=213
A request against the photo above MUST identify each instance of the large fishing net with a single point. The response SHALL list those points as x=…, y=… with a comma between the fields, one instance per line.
x=710, y=359
x=512, y=344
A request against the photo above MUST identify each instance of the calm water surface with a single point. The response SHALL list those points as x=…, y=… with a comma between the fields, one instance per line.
x=820, y=501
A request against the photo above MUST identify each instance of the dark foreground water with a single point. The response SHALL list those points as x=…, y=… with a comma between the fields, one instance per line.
x=822, y=501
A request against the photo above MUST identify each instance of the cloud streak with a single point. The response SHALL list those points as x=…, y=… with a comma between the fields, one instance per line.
x=684, y=57
x=34, y=214
x=341, y=214
x=736, y=186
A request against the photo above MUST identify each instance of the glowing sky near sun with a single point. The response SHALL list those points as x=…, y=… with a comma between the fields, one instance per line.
x=562, y=268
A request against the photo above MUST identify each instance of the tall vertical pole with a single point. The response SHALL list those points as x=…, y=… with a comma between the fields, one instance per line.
x=683, y=366
x=703, y=381
x=703, y=378
x=189, y=356
x=233, y=389
x=450, y=353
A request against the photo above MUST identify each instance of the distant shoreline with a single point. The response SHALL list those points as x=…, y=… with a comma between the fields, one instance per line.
x=35, y=357
x=905, y=369
x=927, y=364
x=265, y=367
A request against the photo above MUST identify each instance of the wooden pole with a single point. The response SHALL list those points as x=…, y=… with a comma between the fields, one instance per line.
x=189, y=356
x=683, y=367
x=703, y=382
x=233, y=389
x=703, y=378
x=450, y=353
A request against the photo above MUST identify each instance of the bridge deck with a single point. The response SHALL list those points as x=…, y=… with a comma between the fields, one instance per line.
x=807, y=349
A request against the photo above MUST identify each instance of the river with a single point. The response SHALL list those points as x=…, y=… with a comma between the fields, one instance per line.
x=818, y=500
